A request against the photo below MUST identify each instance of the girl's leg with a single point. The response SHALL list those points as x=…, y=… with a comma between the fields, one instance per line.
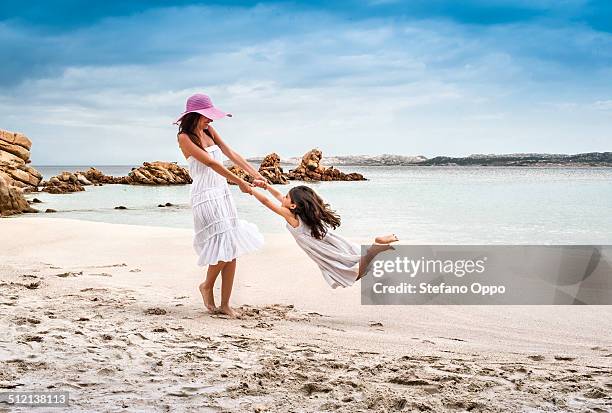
x=372, y=252
x=227, y=282
x=380, y=244
x=206, y=288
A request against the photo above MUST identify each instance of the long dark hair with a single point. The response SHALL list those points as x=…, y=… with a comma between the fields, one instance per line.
x=313, y=211
x=189, y=125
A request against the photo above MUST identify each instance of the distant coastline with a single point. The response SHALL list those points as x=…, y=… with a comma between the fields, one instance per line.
x=590, y=159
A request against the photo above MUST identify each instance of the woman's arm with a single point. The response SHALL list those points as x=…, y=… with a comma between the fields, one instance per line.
x=233, y=156
x=192, y=149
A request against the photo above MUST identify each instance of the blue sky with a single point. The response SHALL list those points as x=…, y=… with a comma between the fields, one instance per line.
x=101, y=82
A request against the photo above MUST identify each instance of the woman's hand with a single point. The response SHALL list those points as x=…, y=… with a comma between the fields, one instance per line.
x=245, y=187
x=260, y=183
x=260, y=177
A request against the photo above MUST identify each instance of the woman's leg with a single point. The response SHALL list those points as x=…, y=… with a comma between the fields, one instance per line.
x=227, y=282
x=206, y=288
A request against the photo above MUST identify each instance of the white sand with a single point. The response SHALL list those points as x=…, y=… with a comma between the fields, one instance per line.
x=326, y=353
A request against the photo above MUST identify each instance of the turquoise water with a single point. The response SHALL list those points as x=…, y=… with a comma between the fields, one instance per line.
x=462, y=205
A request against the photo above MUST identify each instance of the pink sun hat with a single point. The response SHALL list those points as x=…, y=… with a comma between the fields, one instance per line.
x=202, y=104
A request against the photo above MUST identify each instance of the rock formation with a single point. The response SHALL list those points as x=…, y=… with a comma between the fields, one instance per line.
x=12, y=200
x=240, y=173
x=14, y=160
x=311, y=169
x=150, y=173
x=97, y=177
x=158, y=173
x=65, y=183
x=271, y=170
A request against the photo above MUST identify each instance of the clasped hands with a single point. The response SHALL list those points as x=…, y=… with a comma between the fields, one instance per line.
x=247, y=188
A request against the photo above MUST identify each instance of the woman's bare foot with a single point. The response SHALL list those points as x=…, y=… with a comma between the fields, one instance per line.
x=228, y=311
x=386, y=239
x=208, y=297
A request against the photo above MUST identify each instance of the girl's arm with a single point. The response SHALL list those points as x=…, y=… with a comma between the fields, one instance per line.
x=265, y=185
x=233, y=156
x=192, y=149
x=278, y=209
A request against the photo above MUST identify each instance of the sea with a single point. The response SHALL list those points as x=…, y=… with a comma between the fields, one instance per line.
x=433, y=205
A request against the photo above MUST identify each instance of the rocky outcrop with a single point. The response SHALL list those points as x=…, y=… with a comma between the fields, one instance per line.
x=150, y=173
x=65, y=183
x=158, y=173
x=14, y=160
x=271, y=170
x=311, y=169
x=240, y=173
x=97, y=177
x=12, y=200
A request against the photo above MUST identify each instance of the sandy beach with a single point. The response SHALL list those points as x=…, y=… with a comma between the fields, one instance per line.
x=112, y=314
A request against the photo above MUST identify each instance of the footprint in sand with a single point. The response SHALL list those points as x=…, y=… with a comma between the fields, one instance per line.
x=20, y=321
x=565, y=358
x=275, y=312
x=33, y=285
x=155, y=311
x=194, y=390
x=261, y=324
x=69, y=274
x=27, y=338
x=101, y=274
x=596, y=393
x=98, y=290
x=310, y=388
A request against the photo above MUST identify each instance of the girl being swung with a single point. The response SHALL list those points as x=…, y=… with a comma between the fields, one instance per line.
x=311, y=222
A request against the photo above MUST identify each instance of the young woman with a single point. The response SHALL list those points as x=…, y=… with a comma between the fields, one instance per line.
x=220, y=236
x=310, y=221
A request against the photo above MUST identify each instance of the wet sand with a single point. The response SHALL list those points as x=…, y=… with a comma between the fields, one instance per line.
x=112, y=314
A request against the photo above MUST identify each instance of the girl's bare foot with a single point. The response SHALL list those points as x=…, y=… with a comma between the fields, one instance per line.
x=208, y=297
x=386, y=239
x=228, y=311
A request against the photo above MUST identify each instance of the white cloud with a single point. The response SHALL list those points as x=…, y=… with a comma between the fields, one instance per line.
x=603, y=105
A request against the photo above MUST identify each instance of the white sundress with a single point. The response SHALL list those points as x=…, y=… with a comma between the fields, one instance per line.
x=337, y=258
x=219, y=234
